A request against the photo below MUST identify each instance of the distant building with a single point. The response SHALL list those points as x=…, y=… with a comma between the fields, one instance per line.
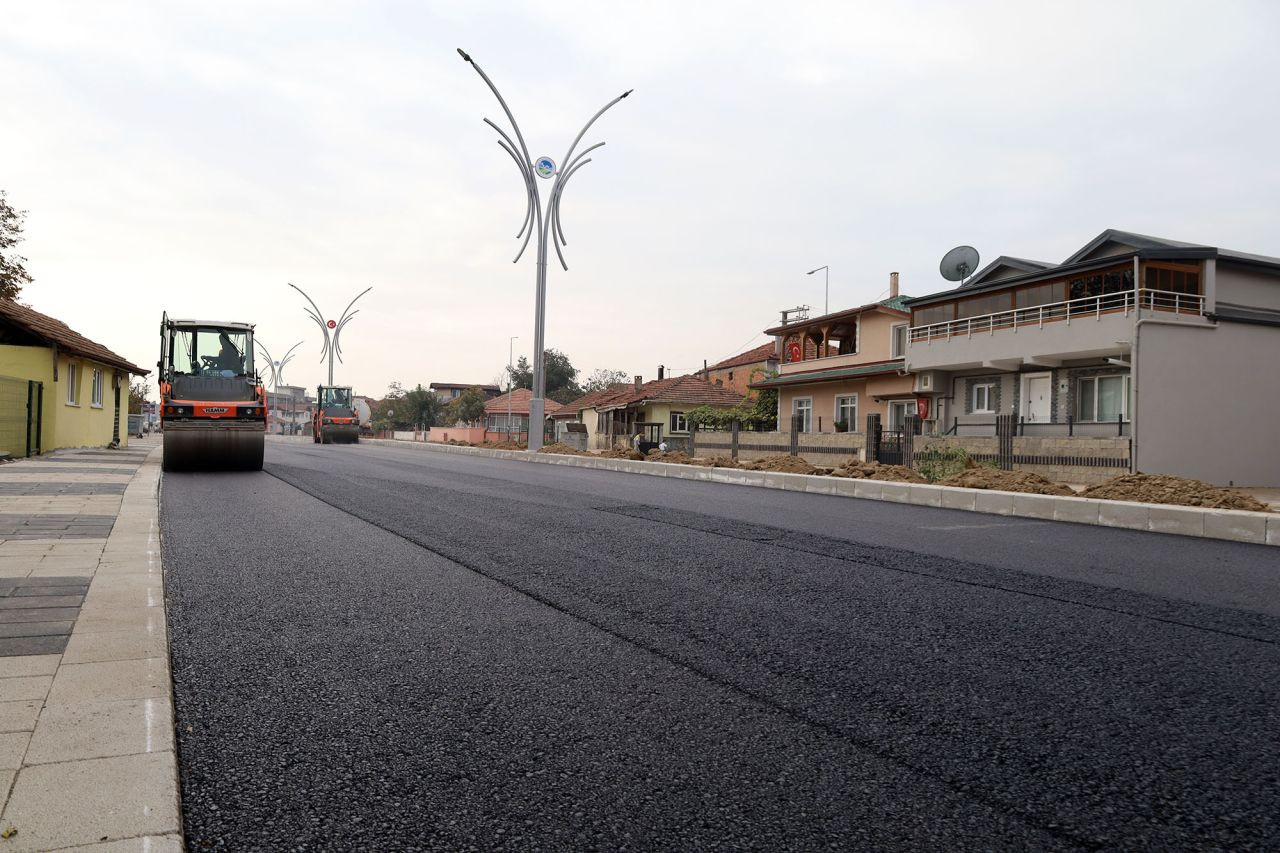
x=289, y=410
x=57, y=387
x=448, y=391
x=737, y=373
x=496, y=416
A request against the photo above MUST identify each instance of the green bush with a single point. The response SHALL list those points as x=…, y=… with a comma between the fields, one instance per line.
x=940, y=463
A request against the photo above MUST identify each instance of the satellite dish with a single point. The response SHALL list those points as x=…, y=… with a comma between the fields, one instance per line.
x=960, y=263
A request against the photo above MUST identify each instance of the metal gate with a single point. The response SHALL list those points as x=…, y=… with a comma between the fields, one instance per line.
x=21, y=404
x=889, y=450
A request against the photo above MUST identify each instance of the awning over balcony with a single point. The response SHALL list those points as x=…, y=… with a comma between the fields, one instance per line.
x=880, y=369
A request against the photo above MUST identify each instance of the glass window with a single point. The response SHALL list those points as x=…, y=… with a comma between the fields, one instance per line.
x=803, y=406
x=1103, y=398
x=934, y=314
x=335, y=397
x=96, y=398
x=898, y=412
x=1042, y=294
x=984, y=397
x=898, y=341
x=678, y=422
x=847, y=411
x=211, y=352
x=1172, y=279
x=73, y=383
x=979, y=306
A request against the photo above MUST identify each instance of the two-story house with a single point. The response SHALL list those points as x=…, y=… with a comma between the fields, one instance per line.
x=1173, y=344
x=736, y=373
x=836, y=369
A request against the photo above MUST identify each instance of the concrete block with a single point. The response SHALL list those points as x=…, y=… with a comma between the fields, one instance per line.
x=101, y=729
x=1187, y=521
x=84, y=802
x=20, y=716
x=844, y=487
x=899, y=492
x=1134, y=516
x=106, y=681
x=1078, y=510
x=922, y=495
x=1273, y=529
x=821, y=485
x=1034, y=506
x=1000, y=503
x=871, y=489
x=1236, y=526
x=12, y=747
x=956, y=498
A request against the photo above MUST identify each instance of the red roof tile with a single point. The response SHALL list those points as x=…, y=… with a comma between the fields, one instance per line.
x=69, y=341
x=520, y=398
x=764, y=352
x=686, y=390
x=591, y=399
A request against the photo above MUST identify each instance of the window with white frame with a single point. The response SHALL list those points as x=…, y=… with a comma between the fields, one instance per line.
x=1103, y=398
x=898, y=412
x=803, y=406
x=847, y=411
x=73, y=384
x=678, y=422
x=984, y=397
x=898, y=341
x=96, y=397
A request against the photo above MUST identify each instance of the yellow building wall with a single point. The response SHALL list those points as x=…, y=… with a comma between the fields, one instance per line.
x=64, y=425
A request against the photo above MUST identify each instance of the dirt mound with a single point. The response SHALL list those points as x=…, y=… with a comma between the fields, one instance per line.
x=674, y=457
x=1006, y=481
x=783, y=465
x=875, y=471
x=457, y=443
x=620, y=453
x=505, y=445
x=1179, y=491
x=558, y=447
x=721, y=462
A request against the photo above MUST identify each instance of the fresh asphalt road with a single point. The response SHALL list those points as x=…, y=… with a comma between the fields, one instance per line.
x=380, y=648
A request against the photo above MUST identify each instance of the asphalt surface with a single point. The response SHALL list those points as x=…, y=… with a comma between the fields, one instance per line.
x=394, y=649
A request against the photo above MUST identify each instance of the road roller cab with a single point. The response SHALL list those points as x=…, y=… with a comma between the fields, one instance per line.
x=336, y=417
x=213, y=409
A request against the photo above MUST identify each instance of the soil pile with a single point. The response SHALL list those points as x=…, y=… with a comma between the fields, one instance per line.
x=558, y=447
x=1006, y=481
x=875, y=471
x=455, y=441
x=674, y=457
x=619, y=453
x=1179, y=491
x=783, y=465
x=506, y=445
x=721, y=462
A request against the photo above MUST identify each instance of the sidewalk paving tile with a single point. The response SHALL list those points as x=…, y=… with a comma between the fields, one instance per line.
x=25, y=687
x=145, y=678
x=99, y=730
x=19, y=716
x=14, y=667
x=12, y=747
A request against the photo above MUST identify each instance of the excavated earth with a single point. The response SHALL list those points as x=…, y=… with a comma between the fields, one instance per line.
x=1179, y=491
x=1006, y=481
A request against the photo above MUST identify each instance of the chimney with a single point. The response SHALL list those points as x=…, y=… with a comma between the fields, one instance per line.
x=661, y=371
x=893, y=285
x=639, y=382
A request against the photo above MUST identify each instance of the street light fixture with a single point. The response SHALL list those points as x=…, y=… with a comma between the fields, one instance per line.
x=826, y=287
x=544, y=221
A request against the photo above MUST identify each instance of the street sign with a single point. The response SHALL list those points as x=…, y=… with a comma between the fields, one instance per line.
x=545, y=167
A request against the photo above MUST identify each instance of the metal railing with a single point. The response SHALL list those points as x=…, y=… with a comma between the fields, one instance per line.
x=1037, y=315
x=1047, y=429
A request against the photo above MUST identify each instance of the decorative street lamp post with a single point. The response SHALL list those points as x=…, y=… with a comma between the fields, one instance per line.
x=277, y=373
x=543, y=221
x=331, y=328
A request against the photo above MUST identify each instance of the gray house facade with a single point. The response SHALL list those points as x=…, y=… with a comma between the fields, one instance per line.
x=1174, y=345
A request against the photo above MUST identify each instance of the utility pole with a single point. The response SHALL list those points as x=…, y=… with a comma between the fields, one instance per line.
x=826, y=288
x=331, y=328
x=544, y=221
x=510, y=351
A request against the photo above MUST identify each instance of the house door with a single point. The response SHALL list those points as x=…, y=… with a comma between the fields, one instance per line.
x=1037, y=396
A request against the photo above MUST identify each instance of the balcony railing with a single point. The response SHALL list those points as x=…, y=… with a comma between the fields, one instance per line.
x=1090, y=306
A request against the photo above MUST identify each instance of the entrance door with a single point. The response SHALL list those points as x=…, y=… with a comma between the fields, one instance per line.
x=1037, y=396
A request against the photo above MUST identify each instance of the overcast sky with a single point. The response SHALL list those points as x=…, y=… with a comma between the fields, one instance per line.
x=197, y=157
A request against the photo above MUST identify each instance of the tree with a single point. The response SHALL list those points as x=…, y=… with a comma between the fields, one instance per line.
x=758, y=414
x=601, y=379
x=138, y=391
x=13, y=275
x=467, y=407
x=419, y=408
x=562, y=376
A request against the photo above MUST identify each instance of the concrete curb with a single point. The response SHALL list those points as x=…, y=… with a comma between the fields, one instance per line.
x=1257, y=528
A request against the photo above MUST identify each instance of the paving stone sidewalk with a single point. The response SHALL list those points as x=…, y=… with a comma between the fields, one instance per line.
x=87, y=759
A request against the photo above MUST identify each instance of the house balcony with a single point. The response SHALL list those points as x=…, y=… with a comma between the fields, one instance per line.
x=1045, y=335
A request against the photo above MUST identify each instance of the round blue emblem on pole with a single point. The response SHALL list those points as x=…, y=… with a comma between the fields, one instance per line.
x=545, y=167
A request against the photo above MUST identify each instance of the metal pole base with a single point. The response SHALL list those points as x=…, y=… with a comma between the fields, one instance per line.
x=537, y=406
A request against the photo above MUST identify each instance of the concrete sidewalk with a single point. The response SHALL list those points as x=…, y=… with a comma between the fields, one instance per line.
x=87, y=756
